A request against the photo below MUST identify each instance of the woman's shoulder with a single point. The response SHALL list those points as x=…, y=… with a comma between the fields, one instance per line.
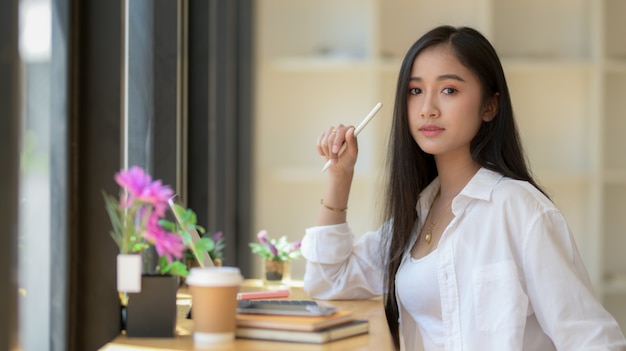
x=521, y=193
x=496, y=188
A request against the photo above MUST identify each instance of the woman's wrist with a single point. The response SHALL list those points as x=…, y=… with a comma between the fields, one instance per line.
x=340, y=209
x=339, y=179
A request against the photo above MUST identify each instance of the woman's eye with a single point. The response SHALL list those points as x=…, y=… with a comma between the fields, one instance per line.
x=449, y=91
x=414, y=91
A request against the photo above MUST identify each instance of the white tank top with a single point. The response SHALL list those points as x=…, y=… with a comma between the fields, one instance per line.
x=418, y=291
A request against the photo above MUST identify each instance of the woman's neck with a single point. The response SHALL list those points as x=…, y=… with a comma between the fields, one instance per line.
x=453, y=176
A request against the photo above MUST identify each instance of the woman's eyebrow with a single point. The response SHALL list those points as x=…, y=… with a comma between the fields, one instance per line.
x=450, y=76
x=441, y=77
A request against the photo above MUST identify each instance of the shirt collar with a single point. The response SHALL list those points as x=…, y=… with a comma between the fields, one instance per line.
x=479, y=187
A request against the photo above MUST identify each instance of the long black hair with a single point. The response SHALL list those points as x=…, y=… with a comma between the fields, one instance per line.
x=496, y=145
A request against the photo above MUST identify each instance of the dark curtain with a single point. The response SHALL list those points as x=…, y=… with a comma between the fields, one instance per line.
x=220, y=122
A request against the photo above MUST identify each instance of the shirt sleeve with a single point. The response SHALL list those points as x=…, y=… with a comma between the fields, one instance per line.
x=337, y=267
x=561, y=292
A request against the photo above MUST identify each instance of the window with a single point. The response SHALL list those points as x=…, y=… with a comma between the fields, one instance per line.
x=61, y=108
x=34, y=211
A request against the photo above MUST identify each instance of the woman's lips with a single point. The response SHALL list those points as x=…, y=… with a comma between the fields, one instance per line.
x=431, y=130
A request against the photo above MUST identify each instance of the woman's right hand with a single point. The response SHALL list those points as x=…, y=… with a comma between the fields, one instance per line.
x=335, y=200
x=329, y=146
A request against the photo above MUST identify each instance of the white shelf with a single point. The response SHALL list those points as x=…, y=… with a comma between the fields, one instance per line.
x=544, y=29
x=552, y=109
x=401, y=22
x=310, y=28
x=545, y=64
x=323, y=63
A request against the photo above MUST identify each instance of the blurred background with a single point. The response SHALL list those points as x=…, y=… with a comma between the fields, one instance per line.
x=225, y=99
x=321, y=63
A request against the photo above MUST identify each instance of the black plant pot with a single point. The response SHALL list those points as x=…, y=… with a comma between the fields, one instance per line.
x=152, y=312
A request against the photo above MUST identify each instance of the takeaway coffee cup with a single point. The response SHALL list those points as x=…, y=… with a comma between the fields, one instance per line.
x=214, y=303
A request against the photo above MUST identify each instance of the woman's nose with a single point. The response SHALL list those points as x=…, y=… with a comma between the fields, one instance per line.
x=429, y=107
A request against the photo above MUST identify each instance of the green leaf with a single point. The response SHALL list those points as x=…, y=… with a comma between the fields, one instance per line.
x=261, y=250
x=220, y=245
x=178, y=268
x=163, y=265
x=179, y=210
x=189, y=217
x=139, y=247
x=175, y=268
x=205, y=244
x=168, y=225
x=115, y=216
x=186, y=237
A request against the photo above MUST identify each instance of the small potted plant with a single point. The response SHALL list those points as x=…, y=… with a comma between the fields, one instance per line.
x=276, y=253
x=217, y=252
x=138, y=224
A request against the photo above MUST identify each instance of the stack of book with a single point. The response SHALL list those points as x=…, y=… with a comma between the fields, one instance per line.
x=304, y=329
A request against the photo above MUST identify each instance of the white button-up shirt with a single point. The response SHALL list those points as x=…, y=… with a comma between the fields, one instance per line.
x=509, y=272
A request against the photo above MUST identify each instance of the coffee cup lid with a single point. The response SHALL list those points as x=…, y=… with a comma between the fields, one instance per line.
x=214, y=276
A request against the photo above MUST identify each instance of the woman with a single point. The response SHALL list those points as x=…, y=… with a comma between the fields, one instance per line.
x=472, y=254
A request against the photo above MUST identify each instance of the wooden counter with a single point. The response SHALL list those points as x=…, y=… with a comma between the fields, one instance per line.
x=377, y=339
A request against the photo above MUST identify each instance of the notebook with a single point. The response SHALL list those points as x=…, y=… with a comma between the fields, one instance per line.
x=337, y=332
x=293, y=323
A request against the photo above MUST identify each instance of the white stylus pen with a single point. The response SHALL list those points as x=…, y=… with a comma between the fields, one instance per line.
x=358, y=130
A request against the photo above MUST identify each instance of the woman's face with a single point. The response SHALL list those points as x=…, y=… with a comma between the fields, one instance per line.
x=444, y=103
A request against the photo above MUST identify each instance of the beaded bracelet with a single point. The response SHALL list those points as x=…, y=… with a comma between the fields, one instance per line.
x=332, y=208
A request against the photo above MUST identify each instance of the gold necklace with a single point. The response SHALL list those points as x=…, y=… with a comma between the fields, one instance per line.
x=429, y=233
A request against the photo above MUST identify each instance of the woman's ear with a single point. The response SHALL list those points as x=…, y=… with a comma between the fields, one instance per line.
x=491, y=107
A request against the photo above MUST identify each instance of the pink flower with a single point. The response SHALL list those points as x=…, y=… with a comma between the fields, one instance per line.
x=134, y=181
x=262, y=236
x=140, y=187
x=273, y=250
x=157, y=195
x=217, y=236
x=166, y=243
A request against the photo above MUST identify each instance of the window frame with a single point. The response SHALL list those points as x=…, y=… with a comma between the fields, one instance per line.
x=9, y=135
